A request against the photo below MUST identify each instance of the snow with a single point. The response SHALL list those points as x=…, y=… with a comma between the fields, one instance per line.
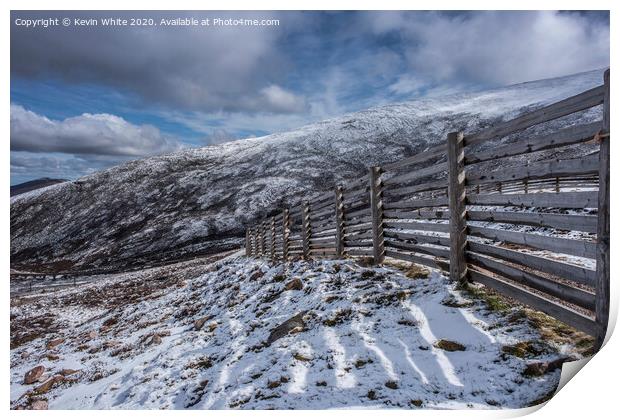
x=367, y=341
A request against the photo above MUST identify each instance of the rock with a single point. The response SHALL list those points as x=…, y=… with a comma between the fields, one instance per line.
x=155, y=339
x=201, y=321
x=68, y=372
x=542, y=368
x=53, y=343
x=212, y=326
x=294, y=284
x=448, y=345
x=24, y=355
x=287, y=326
x=392, y=384
x=417, y=403
x=52, y=357
x=92, y=335
x=39, y=405
x=33, y=375
x=47, y=385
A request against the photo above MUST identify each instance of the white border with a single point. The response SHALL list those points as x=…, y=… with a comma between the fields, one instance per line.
x=591, y=394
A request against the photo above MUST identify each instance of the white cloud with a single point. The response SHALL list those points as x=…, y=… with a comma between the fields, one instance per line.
x=497, y=47
x=87, y=134
x=281, y=100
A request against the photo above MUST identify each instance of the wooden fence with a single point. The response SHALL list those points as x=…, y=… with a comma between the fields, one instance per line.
x=484, y=206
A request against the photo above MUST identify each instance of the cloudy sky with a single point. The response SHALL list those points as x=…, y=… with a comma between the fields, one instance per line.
x=86, y=98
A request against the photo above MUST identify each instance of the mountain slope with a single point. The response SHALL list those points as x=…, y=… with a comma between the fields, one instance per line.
x=200, y=200
x=245, y=334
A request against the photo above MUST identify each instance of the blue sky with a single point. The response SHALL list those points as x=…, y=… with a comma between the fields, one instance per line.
x=83, y=99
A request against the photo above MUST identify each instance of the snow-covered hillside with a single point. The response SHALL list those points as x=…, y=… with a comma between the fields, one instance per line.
x=201, y=199
x=243, y=333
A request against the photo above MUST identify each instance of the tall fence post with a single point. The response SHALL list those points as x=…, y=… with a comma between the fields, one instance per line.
x=376, y=211
x=602, y=233
x=247, y=242
x=456, y=192
x=273, y=239
x=286, y=230
x=339, y=223
x=263, y=246
x=306, y=229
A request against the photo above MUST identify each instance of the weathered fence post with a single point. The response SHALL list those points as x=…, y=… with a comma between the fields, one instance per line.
x=256, y=247
x=456, y=191
x=273, y=239
x=263, y=240
x=602, y=233
x=306, y=229
x=247, y=242
x=286, y=230
x=376, y=211
x=339, y=223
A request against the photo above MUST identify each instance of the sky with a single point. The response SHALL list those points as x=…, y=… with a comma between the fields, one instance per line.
x=86, y=97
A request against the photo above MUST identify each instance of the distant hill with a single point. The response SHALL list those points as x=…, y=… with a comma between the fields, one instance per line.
x=35, y=184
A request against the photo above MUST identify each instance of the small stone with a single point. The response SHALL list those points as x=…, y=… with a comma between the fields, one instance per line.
x=39, y=405
x=92, y=335
x=294, y=284
x=33, y=375
x=47, y=385
x=53, y=343
x=542, y=368
x=68, y=372
x=201, y=321
x=391, y=384
x=417, y=403
x=155, y=340
x=448, y=345
x=52, y=357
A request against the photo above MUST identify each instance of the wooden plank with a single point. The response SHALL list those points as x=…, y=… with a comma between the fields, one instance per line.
x=537, y=170
x=419, y=238
x=358, y=235
x=559, y=245
x=358, y=213
x=314, y=241
x=413, y=204
x=580, y=102
x=433, y=227
x=432, y=153
x=565, y=137
x=561, y=291
x=360, y=252
x=424, y=249
x=440, y=185
x=603, y=241
x=456, y=193
x=417, y=214
x=357, y=228
x=563, y=200
x=418, y=174
x=417, y=259
x=560, y=312
x=361, y=220
x=570, y=272
x=582, y=223
x=376, y=213
x=361, y=243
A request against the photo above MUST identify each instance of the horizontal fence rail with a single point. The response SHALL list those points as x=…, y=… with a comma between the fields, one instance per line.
x=484, y=207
